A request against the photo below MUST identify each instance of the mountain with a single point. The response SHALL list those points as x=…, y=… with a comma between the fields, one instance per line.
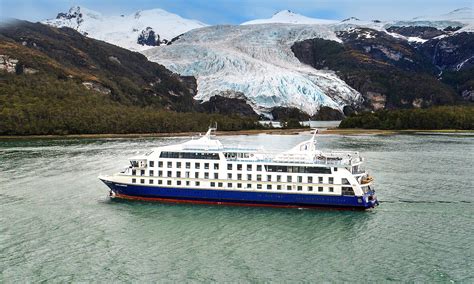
x=292, y=61
x=137, y=31
x=57, y=81
x=289, y=17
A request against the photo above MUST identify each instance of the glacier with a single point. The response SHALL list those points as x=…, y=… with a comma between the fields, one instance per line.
x=257, y=60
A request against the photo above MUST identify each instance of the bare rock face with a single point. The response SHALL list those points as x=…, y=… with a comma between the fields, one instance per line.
x=376, y=100
x=96, y=87
x=8, y=64
x=453, y=53
x=417, y=31
x=227, y=103
x=149, y=37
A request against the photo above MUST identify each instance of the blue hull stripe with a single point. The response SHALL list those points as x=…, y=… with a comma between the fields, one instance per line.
x=210, y=195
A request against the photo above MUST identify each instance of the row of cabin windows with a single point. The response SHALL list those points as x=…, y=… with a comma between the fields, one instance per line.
x=187, y=165
x=345, y=190
x=249, y=167
x=187, y=155
x=258, y=177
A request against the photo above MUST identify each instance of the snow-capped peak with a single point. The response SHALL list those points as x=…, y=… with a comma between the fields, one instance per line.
x=127, y=31
x=461, y=15
x=289, y=17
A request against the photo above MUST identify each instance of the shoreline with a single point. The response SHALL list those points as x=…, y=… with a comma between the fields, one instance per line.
x=328, y=131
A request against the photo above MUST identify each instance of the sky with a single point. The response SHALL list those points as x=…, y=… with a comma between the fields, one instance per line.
x=238, y=11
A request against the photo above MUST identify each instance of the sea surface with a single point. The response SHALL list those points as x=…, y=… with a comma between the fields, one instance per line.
x=57, y=223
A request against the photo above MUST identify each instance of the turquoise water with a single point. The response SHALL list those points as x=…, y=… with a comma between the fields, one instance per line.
x=57, y=223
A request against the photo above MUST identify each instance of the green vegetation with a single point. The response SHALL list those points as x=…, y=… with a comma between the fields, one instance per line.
x=444, y=117
x=39, y=105
x=402, y=82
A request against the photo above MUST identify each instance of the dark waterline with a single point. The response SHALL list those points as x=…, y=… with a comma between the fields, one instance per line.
x=57, y=223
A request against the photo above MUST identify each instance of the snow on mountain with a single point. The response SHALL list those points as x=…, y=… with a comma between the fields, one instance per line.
x=257, y=61
x=463, y=17
x=137, y=31
x=288, y=17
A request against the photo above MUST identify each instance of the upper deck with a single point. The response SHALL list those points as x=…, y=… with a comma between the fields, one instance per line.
x=303, y=153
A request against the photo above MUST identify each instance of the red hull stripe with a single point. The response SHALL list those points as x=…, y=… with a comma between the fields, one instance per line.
x=172, y=200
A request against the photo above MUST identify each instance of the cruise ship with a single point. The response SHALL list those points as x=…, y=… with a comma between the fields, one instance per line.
x=202, y=170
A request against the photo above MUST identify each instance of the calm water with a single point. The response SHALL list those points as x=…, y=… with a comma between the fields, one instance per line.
x=57, y=224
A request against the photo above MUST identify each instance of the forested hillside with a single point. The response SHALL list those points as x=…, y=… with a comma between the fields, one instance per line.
x=56, y=81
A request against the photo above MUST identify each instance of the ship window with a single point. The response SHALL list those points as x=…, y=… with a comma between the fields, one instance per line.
x=288, y=187
x=278, y=178
x=239, y=185
x=206, y=175
x=300, y=188
x=168, y=182
x=320, y=189
x=197, y=166
x=196, y=175
x=239, y=176
x=310, y=179
x=169, y=174
x=229, y=167
x=160, y=164
x=152, y=164
x=297, y=169
x=239, y=167
x=259, y=177
x=216, y=166
x=331, y=189
x=160, y=173
x=134, y=180
x=310, y=188
x=249, y=167
x=216, y=176
x=160, y=181
x=198, y=183
x=134, y=172
x=142, y=181
x=249, y=177
x=331, y=180
x=188, y=182
x=300, y=179
x=151, y=173
x=178, y=182
x=229, y=176
x=186, y=155
x=206, y=166
x=188, y=165
x=320, y=179
x=186, y=174
x=178, y=164
x=269, y=178
x=289, y=178
x=178, y=174
x=259, y=186
x=335, y=169
x=249, y=185
x=169, y=164
x=229, y=184
x=220, y=184
x=279, y=187
x=345, y=181
x=142, y=172
x=346, y=190
x=213, y=184
x=259, y=168
x=269, y=186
